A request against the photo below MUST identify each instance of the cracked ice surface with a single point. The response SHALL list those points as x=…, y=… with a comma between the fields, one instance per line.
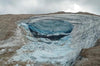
x=65, y=50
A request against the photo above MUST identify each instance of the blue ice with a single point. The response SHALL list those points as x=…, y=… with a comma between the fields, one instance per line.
x=50, y=28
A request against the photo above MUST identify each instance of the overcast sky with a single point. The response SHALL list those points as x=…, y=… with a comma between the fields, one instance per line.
x=48, y=6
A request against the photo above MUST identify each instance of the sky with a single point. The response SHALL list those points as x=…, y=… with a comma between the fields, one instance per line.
x=48, y=6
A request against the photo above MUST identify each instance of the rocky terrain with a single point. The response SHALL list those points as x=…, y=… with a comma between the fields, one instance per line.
x=7, y=29
x=90, y=56
x=11, y=38
x=7, y=24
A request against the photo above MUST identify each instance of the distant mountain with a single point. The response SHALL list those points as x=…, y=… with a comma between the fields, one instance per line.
x=85, y=13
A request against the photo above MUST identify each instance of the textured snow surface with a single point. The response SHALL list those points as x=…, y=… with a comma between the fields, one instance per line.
x=85, y=32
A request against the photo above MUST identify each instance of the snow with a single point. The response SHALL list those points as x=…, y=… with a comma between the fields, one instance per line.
x=43, y=52
x=65, y=50
x=2, y=51
x=15, y=40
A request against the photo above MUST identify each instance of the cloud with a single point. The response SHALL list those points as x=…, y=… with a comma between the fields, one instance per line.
x=90, y=5
x=17, y=6
x=47, y=6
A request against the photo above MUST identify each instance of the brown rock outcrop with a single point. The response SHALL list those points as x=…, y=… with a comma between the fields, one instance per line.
x=91, y=56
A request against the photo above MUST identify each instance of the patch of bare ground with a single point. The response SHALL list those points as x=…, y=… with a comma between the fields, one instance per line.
x=28, y=63
x=7, y=54
x=91, y=56
x=8, y=26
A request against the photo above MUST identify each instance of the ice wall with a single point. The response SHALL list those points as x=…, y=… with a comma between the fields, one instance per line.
x=65, y=50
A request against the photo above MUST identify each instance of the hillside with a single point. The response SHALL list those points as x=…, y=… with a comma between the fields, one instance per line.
x=7, y=24
x=19, y=47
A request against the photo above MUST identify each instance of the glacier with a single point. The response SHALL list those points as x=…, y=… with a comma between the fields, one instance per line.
x=50, y=28
x=76, y=32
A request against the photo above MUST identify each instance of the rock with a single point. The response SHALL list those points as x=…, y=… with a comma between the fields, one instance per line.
x=97, y=43
x=8, y=24
x=91, y=56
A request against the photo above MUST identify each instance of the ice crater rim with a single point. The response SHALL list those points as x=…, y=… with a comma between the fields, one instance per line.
x=53, y=29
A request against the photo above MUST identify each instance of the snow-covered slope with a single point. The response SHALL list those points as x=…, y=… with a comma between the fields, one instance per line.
x=64, y=51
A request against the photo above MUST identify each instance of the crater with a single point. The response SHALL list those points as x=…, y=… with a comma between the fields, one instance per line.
x=53, y=29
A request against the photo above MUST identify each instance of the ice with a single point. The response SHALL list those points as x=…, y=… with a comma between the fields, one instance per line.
x=50, y=26
x=55, y=51
x=64, y=50
x=2, y=51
